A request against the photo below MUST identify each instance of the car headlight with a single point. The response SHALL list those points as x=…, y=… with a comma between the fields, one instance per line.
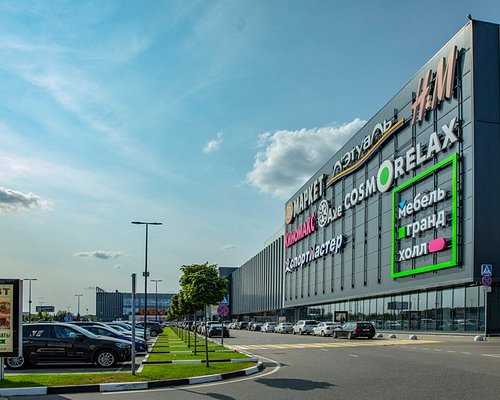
x=123, y=345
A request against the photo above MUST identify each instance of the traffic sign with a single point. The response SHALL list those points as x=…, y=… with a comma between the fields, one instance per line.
x=487, y=289
x=487, y=280
x=225, y=300
x=486, y=269
x=223, y=310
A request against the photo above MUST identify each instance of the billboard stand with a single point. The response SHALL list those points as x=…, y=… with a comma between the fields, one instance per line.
x=11, y=329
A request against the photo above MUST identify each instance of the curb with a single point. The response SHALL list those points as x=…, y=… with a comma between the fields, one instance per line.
x=229, y=360
x=123, y=386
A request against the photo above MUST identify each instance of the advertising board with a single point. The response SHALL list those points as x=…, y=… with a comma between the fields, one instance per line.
x=10, y=317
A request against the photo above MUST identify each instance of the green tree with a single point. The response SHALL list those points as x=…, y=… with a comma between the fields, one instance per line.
x=202, y=286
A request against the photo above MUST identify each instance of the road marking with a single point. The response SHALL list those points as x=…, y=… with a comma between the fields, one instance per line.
x=353, y=355
x=324, y=349
x=406, y=343
x=451, y=351
x=491, y=355
x=466, y=352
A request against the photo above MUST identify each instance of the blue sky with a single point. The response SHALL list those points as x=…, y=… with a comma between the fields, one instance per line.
x=203, y=115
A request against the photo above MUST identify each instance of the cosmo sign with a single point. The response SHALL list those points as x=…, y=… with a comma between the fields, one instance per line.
x=433, y=88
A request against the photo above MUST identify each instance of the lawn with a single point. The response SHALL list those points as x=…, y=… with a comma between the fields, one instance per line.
x=148, y=373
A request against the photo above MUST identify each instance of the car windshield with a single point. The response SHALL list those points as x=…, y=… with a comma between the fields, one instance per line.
x=311, y=322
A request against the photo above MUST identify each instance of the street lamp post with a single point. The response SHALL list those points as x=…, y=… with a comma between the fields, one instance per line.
x=78, y=313
x=156, y=281
x=145, y=273
x=29, y=297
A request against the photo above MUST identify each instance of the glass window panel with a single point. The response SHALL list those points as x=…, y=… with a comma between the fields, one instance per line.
x=446, y=307
x=472, y=308
x=459, y=321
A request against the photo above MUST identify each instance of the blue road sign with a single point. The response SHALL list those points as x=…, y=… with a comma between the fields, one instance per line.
x=226, y=300
x=486, y=269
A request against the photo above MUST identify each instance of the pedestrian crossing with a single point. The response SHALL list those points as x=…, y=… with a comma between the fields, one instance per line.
x=353, y=343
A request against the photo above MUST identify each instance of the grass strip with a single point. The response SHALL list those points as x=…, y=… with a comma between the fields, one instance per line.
x=149, y=373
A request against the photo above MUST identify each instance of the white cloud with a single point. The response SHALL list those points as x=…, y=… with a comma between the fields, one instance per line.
x=117, y=266
x=290, y=158
x=101, y=254
x=13, y=201
x=213, y=145
x=228, y=247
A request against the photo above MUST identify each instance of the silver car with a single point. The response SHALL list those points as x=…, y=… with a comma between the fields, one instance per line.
x=304, y=326
x=284, y=327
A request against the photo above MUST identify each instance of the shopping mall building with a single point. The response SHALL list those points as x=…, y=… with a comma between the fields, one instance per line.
x=401, y=225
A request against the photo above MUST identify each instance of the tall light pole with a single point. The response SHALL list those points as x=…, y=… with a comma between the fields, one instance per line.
x=29, y=296
x=145, y=273
x=156, y=281
x=78, y=313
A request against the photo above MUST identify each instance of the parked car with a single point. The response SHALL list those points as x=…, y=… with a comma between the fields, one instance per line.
x=209, y=324
x=352, y=330
x=325, y=328
x=256, y=326
x=242, y=325
x=155, y=328
x=304, y=326
x=268, y=327
x=140, y=344
x=217, y=329
x=124, y=327
x=284, y=327
x=60, y=342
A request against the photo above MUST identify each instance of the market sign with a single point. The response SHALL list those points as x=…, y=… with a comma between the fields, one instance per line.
x=10, y=317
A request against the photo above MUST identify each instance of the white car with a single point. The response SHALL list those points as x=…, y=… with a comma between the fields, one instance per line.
x=268, y=327
x=304, y=326
x=325, y=328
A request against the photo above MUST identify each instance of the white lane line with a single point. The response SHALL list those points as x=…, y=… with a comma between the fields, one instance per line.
x=353, y=355
x=230, y=381
x=466, y=352
x=491, y=355
x=425, y=348
x=324, y=349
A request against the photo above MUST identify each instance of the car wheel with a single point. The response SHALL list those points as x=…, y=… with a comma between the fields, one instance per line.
x=105, y=358
x=301, y=332
x=17, y=362
x=335, y=335
x=323, y=333
x=349, y=336
x=294, y=332
x=370, y=337
x=153, y=333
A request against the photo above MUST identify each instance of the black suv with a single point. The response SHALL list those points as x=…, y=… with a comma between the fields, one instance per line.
x=352, y=330
x=59, y=342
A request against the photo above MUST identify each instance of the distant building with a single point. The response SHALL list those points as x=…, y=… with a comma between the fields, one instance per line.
x=118, y=305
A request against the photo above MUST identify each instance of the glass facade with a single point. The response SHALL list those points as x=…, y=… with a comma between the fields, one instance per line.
x=457, y=309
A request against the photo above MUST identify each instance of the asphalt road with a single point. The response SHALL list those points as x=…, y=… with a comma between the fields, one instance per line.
x=307, y=367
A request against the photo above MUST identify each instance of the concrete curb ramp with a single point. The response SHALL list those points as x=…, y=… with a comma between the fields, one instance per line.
x=123, y=386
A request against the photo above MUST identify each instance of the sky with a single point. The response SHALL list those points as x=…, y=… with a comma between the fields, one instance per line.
x=203, y=115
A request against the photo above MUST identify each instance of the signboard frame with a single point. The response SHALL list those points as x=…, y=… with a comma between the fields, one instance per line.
x=453, y=261
x=11, y=290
